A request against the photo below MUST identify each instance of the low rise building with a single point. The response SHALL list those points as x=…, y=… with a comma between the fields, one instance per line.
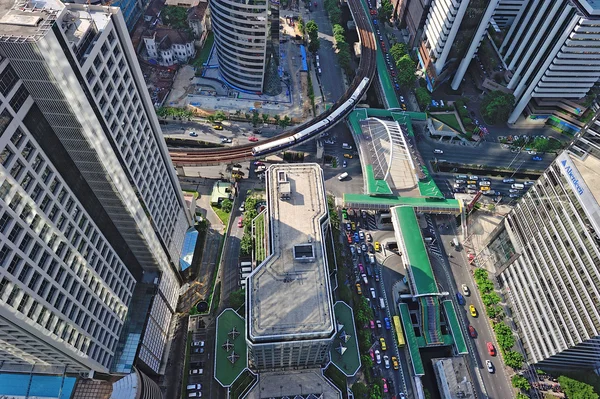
x=166, y=46
x=289, y=300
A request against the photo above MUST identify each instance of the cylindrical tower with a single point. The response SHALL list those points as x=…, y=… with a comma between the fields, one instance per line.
x=241, y=29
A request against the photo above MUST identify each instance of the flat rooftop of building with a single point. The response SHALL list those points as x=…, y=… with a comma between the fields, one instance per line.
x=291, y=384
x=289, y=293
x=35, y=385
x=589, y=169
x=591, y=6
x=454, y=379
x=31, y=19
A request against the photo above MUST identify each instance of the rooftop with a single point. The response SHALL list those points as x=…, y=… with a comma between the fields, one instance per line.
x=454, y=380
x=294, y=384
x=231, y=352
x=589, y=169
x=289, y=294
x=35, y=385
x=344, y=352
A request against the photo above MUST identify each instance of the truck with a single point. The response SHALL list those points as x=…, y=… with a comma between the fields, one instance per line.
x=518, y=186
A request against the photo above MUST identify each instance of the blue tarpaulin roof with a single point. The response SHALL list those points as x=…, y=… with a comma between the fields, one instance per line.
x=187, y=252
x=44, y=386
x=304, y=63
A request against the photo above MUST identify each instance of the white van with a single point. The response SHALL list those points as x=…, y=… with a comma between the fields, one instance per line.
x=346, y=146
x=518, y=186
x=343, y=176
x=381, y=303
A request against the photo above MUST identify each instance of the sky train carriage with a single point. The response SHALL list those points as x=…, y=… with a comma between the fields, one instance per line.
x=315, y=129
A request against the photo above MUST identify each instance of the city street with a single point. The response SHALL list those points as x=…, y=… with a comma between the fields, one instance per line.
x=451, y=273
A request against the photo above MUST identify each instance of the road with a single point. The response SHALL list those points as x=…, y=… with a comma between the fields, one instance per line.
x=397, y=380
x=238, y=132
x=451, y=273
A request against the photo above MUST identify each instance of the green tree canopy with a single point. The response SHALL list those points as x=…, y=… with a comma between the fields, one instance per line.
x=497, y=106
x=576, y=389
x=226, y=205
x=514, y=360
x=490, y=298
x=423, y=97
x=300, y=25
x=246, y=244
x=219, y=116
x=175, y=17
x=504, y=334
x=480, y=274
x=493, y=311
x=406, y=71
x=375, y=392
x=312, y=29
x=397, y=51
x=338, y=30
x=385, y=11
x=237, y=299
x=520, y=382
x=359, y=389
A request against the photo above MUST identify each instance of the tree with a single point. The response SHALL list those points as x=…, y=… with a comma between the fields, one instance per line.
x=520, y=382
x=576, y=389
x=366, y=361
x=486, y=286
x=490, y=298
x=338, y=30
x=277, y=118
x=505, y=336
x=237, y=299
x=375, y=392
x=220, y=115
x=423, y=97
x=385, y=11
x=175, y=17
x=314, y=46
x=398, y=51
x=359, y=389
x=480, y=274
x=226, y=205
x=515, y=360
x=497, y=106
x=312, y=30
x=300, y=26
x=255, y=118
x=493, y=311
x=247, y=116
x=406, y=71
x=246, y=244
x=521, y=396
x=265, y=118
x=285, y=122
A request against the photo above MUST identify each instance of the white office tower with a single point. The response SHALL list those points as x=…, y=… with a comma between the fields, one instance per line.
x=289, y=307
x=242, y=34
x=452, y=32
x=506, y=11
x=548, y=254
x=552, y=50
x=89, y=202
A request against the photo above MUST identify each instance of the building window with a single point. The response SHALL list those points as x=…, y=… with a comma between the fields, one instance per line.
x=5, y=119
x=19, y=98
x=5, y=222
x=6, y=156
x=8, y=80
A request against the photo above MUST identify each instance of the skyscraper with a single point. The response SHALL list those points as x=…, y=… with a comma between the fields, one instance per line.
x=90, y=203
x=548, y=253
x=246, y=37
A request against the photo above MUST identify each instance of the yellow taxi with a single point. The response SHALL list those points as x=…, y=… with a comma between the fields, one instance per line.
x=383, y=345
x=358, y=289
x=377, y=246
x=353, y=225
x=473, y=310
x=349, y=156
x=217, y=127
x=484, y=188
x=395, y=363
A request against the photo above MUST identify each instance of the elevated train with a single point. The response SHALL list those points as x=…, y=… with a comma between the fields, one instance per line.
x=318, y=127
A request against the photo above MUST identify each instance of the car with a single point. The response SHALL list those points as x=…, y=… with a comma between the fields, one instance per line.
x=491, y=348
x=373, y=294
x=378, y=323
x=459, y=181
x=192, y=387
x=382, y=343
x=193, y=134
x=371, y=248
x=377, y=246
x=388, y=325
x=528, y=183
x=513, y=190
x=358, y=289
x=361, y=234
x=436, y=151
x=241, y=222
x=372, y=354
x=369, y=237
x=484, y=183
x=377, y=356
x=472, y=332
x=253, y=138
x=471, y=186
x=361, y=268
x=344, y=164
x=198, y=344
x=358, y=250
x=217, y=127
x=531, y=152
x=473, y=311
x=490, y=366
x=513, y=195
x=473, y=177
x=386, y=361
x=536, y=158
x=508, y=180
x=465, y=290
x=356, y=237
x=395, y=363
x=198, y=350
x=364, y=247
x=243, y=207
x=385, y=385
x=353, y=225
x=371, y=324
x=348, y=226
x=196, y=371
x=376, y=276
x=352, y=249
x=349, y=156
x=364, y=277
x=460, y=298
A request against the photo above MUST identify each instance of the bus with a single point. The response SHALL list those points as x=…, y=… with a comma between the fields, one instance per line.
x=398, y=330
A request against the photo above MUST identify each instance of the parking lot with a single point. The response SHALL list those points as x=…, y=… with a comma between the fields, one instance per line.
x=200, y=365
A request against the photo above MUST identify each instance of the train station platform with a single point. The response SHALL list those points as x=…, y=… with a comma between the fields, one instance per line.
x=411, y=340
x=457, y=332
